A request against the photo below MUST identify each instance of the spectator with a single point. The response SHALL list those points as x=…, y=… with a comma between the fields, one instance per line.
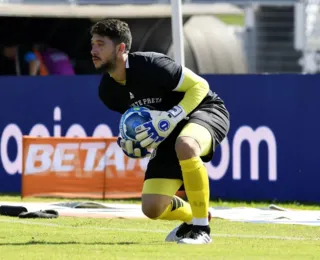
x=53, y=61
x=34, y=60
x=18, y=60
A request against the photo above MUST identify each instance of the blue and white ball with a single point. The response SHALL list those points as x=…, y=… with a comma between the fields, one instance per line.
x=132, y=118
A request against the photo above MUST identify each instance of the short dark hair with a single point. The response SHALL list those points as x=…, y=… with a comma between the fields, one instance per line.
x=118, y=31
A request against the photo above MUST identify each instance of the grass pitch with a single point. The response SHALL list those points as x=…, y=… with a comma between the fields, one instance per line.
x=88, y=238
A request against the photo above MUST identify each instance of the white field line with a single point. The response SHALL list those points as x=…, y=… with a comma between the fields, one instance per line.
x=155, y=231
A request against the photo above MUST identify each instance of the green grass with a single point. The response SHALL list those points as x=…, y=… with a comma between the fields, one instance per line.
x=81, y=238
x=89, y=238
x=293, y=205
x=231, y=19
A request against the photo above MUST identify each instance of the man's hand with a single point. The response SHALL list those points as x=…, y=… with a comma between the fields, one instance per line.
x=132, y=149
x=152, y=133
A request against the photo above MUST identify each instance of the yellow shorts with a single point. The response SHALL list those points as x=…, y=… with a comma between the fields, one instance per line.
x=169, y=187
x=200, y=134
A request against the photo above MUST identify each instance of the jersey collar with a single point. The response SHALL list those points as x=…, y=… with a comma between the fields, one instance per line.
x=127, y=62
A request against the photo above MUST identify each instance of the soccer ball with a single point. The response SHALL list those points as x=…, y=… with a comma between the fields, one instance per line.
x=132, y=118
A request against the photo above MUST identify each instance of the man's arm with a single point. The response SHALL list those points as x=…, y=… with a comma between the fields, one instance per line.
x=195, y=87
x=174, y=78
x=34, y=63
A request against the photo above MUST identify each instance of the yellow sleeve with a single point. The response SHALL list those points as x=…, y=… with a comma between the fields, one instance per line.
x=195, y=88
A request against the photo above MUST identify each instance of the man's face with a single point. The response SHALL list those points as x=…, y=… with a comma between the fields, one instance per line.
x=104, y=53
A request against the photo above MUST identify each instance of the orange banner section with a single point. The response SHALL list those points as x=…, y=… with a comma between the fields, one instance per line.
x=79, y=167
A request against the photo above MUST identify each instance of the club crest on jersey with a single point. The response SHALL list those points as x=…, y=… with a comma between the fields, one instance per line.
x=164, y=125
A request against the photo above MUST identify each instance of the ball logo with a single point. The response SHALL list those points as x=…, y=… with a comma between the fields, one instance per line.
x=132, y=120
x=164, y=125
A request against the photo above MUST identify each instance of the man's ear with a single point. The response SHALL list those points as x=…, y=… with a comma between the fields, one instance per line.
x=122, y=48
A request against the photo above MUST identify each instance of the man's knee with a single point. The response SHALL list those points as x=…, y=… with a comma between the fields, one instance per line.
x=152, y=211
x=153, y=205
x=187, y=147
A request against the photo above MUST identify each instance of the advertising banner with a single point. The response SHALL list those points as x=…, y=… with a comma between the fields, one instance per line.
x=79, y=167
x=271, y=152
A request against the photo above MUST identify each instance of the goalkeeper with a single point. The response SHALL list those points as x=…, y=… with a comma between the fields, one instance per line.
x=189, y=121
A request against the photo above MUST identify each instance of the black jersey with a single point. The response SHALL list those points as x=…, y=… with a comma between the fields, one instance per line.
x=151, y=79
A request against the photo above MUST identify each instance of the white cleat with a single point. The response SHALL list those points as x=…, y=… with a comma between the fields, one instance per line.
x=182, y=231
x=179, y=232
x=196, y=238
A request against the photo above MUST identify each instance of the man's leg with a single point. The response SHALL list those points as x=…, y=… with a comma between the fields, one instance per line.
x=159, y=202
x=195, y=141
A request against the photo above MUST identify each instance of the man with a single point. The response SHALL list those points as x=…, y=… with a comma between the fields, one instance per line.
x=53, y=61
x=189, y=122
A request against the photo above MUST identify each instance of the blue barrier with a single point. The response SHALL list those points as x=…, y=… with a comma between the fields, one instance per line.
x=271, y=152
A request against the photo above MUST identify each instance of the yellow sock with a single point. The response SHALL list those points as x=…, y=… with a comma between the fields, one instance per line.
x=196, y=183
x=178, y=209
